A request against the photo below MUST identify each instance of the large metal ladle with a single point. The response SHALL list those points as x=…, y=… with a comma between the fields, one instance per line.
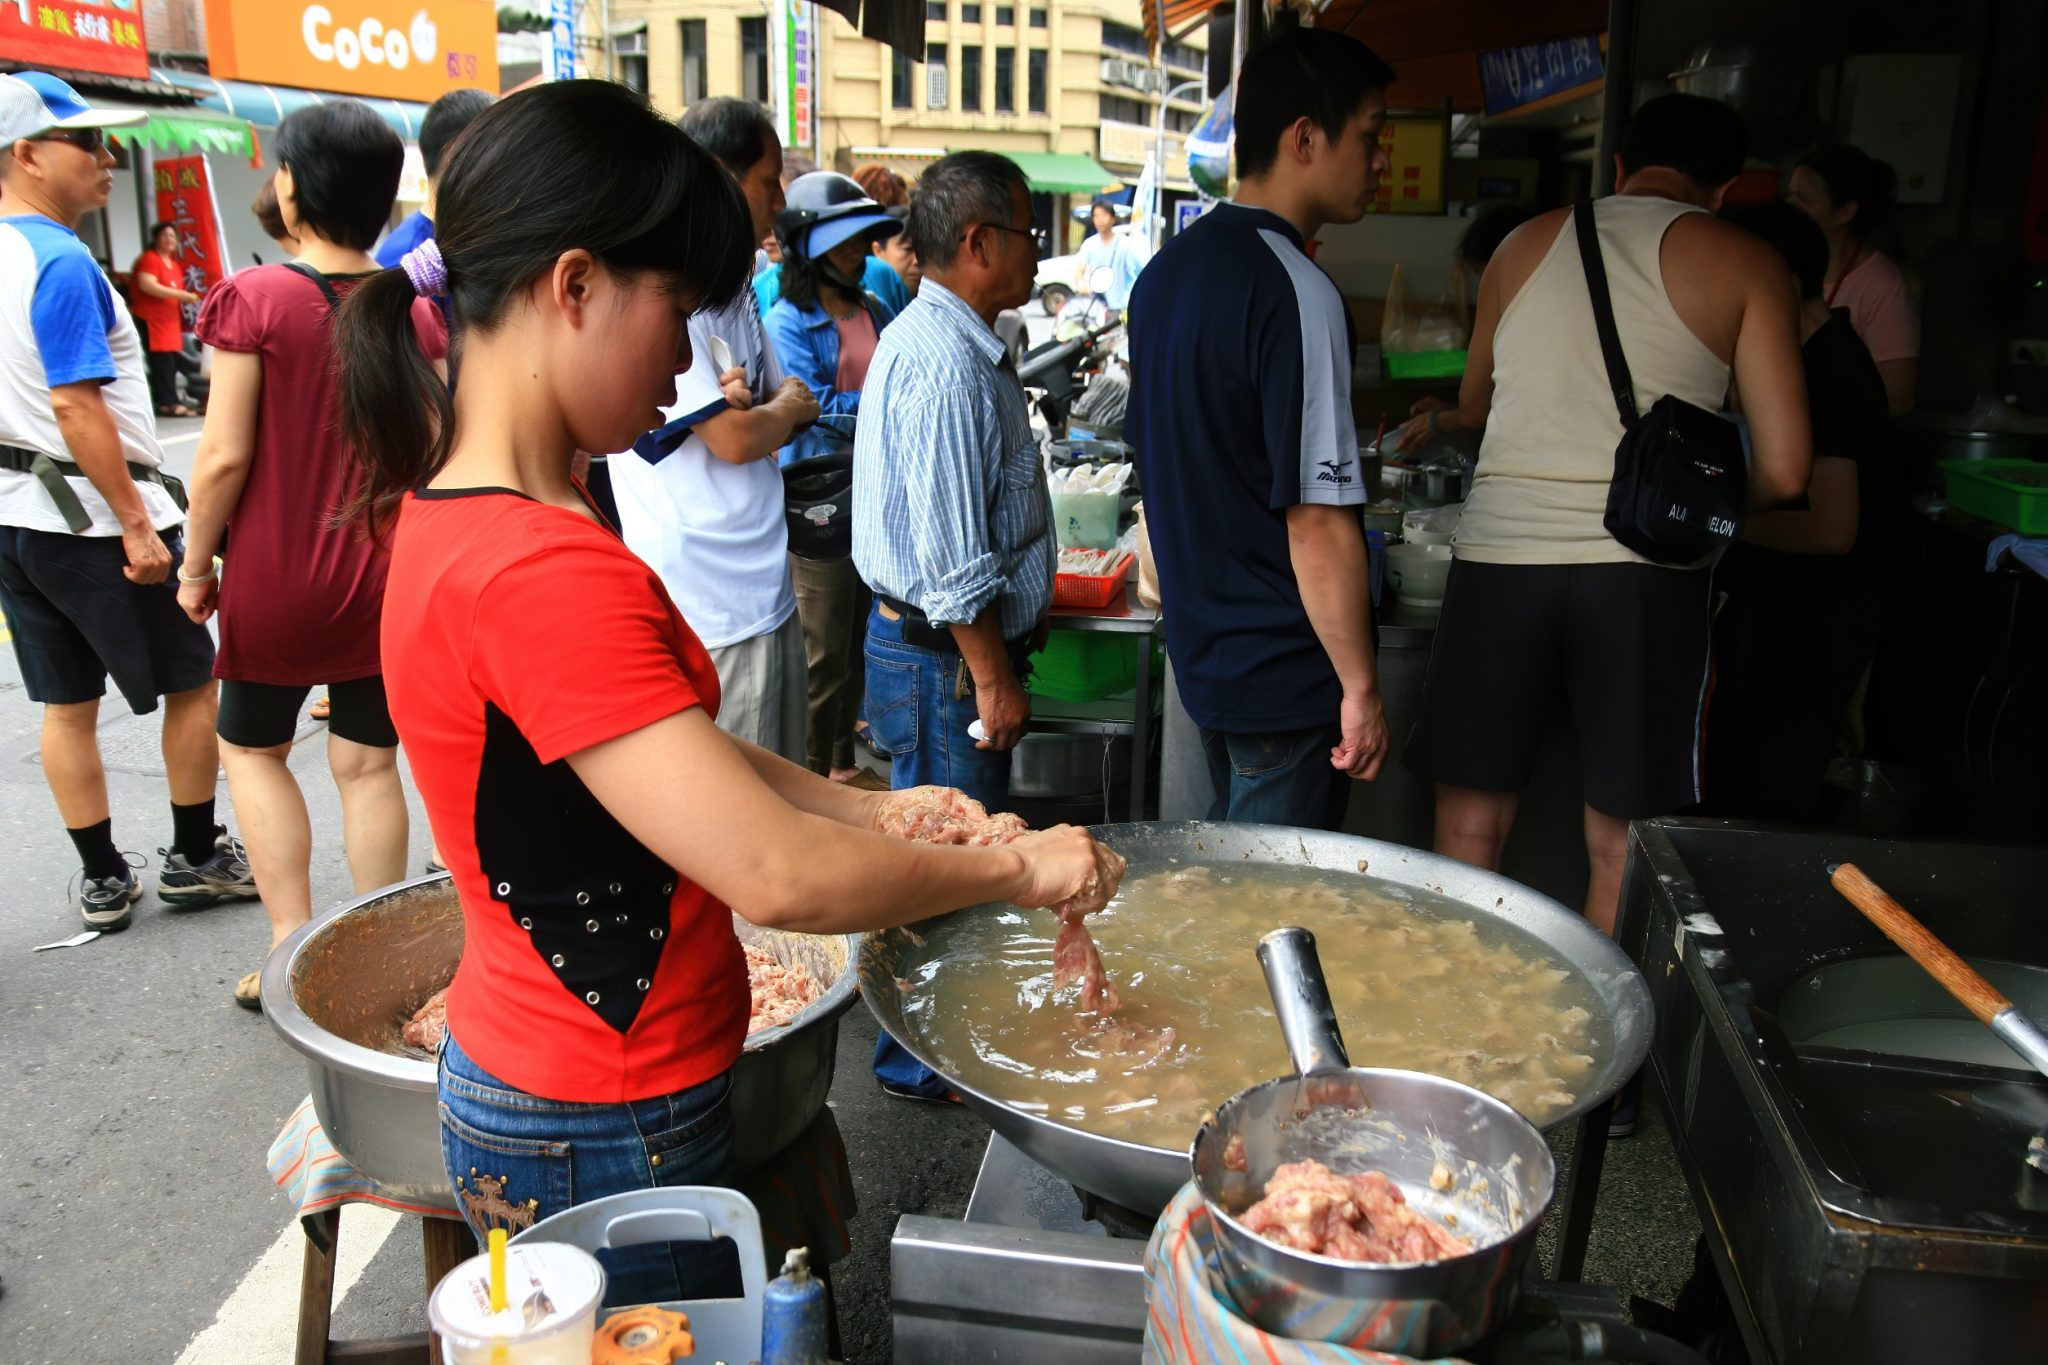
x=1418, y=1129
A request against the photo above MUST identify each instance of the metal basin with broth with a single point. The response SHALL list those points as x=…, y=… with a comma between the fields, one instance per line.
x=1164, y=985
x=340, y=989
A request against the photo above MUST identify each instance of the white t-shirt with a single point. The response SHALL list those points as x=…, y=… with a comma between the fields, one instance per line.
x=714, y=531
x=61, y=324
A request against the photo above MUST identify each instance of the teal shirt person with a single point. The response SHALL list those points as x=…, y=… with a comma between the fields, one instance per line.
x=878, y=277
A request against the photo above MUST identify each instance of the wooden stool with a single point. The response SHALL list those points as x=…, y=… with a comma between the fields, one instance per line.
x=447, y=1243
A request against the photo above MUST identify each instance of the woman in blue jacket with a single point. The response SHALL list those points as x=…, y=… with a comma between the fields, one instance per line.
x=824, y=328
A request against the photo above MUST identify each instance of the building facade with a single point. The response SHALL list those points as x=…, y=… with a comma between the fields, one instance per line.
x=1051, y=83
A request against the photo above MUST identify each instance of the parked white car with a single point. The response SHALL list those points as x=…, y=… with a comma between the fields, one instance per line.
x=1059, y=279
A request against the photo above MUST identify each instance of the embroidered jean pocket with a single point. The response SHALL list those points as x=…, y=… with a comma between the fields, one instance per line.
x=502, y=1180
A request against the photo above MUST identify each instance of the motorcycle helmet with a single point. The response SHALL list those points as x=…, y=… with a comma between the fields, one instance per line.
x=825, y=209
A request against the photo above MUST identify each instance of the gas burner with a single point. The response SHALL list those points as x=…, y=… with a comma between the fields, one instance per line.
x=1115, y=1219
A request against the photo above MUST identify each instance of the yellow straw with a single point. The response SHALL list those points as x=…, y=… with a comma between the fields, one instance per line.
x=498, y=1270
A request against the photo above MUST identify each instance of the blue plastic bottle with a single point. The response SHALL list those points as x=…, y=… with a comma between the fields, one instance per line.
x=793, y=1314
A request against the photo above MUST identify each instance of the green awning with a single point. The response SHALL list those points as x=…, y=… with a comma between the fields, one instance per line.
x=1064, y=172
x=190, y=129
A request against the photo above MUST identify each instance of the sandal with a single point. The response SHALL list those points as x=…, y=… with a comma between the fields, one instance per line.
x=321, y=709
x=249, y=991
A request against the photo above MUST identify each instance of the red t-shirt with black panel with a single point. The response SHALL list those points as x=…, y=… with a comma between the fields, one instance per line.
x=514, y=635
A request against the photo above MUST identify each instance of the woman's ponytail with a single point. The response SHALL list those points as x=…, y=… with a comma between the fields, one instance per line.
x=395, y=411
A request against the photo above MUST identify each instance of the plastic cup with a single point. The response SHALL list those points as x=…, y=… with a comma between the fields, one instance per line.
x=552, y=1292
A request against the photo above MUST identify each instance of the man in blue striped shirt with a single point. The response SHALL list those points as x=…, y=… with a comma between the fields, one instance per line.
x=952, y=525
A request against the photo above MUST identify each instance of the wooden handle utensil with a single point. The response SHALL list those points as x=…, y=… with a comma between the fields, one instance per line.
x=1960, y=979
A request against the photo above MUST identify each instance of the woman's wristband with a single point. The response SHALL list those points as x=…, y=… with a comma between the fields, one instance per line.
x=212, y=572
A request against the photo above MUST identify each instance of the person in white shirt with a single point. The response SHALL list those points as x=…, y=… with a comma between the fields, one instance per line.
x=700, y=499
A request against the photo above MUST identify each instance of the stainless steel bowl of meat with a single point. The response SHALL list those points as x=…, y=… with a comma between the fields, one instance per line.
x=1378, y=1209
x=1436, y=967
x=343, y=989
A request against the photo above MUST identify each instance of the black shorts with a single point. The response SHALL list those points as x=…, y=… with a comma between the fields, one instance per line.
x=264, y=715
x=76, y=620
x=1622, y=649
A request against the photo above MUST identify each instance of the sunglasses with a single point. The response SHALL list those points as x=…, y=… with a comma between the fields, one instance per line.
x=89, y=140
x=1037, y=235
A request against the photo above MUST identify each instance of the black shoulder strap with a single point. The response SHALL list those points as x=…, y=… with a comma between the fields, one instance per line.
x=326, y=285
x=1603, y=314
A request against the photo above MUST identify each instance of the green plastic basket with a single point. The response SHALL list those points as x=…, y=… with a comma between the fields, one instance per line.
x=1425, y=364
x=1082, y=665
x=1987, y=489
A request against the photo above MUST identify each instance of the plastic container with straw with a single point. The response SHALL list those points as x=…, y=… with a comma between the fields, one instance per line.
x=533, y=1304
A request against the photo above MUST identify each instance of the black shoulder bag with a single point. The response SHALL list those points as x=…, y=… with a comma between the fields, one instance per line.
x=1680, y=481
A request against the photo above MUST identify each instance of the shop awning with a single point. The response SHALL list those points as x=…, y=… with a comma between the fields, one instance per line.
x=266, y=105
x=189, y=129
x=1063, y=172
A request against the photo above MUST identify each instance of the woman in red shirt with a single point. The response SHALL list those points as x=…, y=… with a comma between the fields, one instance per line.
x=160, y=294
x=300, y=599
x=557, y=709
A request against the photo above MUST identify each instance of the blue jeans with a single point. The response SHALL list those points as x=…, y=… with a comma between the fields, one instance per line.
x=916, y=717
x=515, y=1159
x=1282, y=779
x=919, y=705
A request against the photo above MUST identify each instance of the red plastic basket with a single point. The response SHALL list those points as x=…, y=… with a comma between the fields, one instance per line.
x=1089, y=590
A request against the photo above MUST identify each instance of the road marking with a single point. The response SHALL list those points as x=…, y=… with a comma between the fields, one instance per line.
x=259, y=1323
x=179, y=439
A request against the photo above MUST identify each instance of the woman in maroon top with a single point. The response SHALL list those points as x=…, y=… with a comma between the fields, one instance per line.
x=300, y=597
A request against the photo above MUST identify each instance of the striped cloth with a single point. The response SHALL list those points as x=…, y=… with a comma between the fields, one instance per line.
x=1189, y=1318
x=315, y=1177
x=804, y=1193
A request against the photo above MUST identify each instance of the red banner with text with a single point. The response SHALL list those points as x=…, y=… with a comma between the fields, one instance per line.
x=75, y=35
x=184, y=199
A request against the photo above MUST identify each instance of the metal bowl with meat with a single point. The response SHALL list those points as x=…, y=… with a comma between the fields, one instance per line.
x=342, y=989
x=1429, y=960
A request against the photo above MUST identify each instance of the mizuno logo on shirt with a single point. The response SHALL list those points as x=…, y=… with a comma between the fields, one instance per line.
x=1333, y=471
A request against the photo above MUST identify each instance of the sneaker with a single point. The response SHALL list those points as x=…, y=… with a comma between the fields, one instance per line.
x=105, y=903
x=1621, y=1120
x=224, y=876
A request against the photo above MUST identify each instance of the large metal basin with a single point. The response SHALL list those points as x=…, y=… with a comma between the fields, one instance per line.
x=1145, y=1178
x=337, y=990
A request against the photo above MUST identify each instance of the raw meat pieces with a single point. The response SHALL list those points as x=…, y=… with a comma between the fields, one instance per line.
x=780, y=992
x=945, y=815
x=429, y=1024
x=1308, y=1207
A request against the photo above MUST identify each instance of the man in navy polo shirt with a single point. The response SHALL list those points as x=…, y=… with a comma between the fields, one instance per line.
x=1240, y=416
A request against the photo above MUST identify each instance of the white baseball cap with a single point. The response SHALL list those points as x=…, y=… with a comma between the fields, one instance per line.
x=35, y=102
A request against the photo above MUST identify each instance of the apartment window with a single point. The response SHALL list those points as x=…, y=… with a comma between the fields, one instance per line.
x=1124, y=38
x=1006, y=80
x=935, y=76
x=1116, y=108
x=1006, y=16
x=631, y=54
x=754, y=60
x=1038, y=19
x=1180, y=120
x=693, y=60
x=970, y=79
x=970, y=14
x=902, y=83
x=1034, y=80
x=935, y=11
x=1183, y=55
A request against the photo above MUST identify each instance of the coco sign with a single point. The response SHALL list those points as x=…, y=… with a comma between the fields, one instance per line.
x=403, y=49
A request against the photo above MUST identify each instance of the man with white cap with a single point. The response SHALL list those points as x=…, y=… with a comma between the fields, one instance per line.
x=86, y=511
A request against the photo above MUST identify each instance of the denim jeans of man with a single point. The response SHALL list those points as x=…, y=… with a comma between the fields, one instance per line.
x=1279, y=779
x=919, y=705
x=515, y=1159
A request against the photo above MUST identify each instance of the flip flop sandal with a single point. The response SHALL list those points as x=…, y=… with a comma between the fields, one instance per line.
x=249, y=991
